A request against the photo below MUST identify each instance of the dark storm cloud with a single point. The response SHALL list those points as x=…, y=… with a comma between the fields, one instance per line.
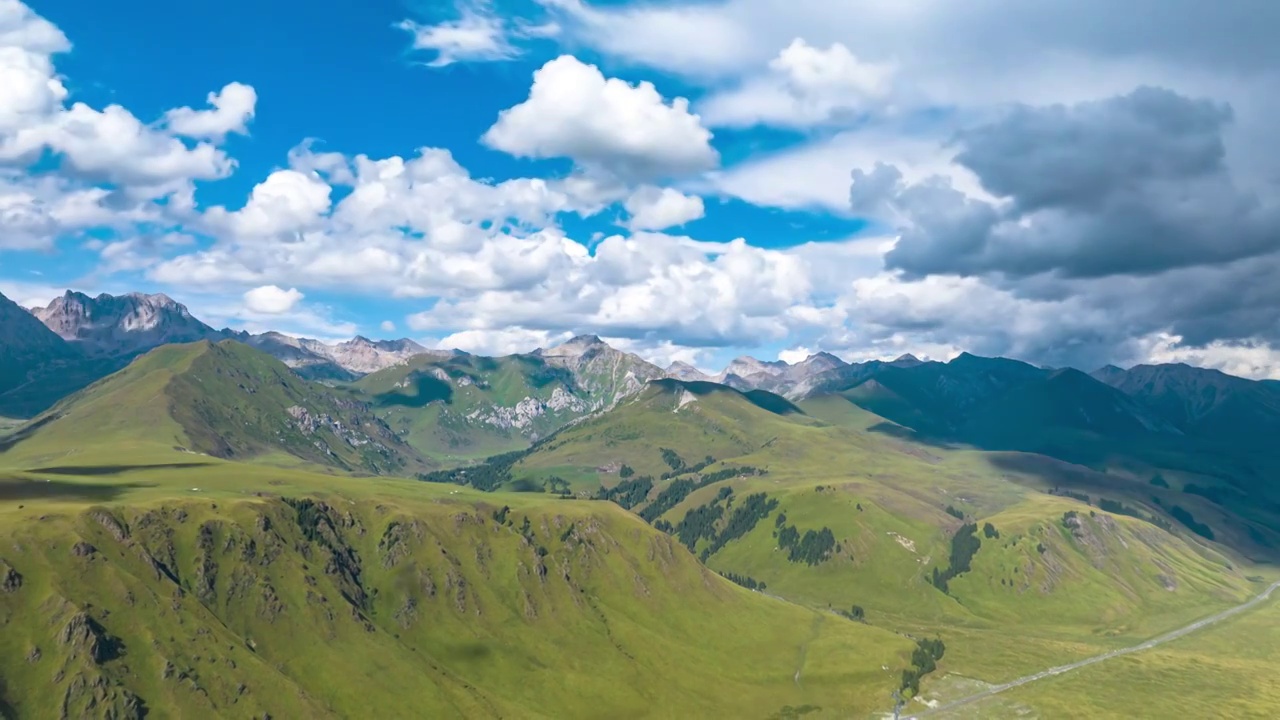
x=1135, y=184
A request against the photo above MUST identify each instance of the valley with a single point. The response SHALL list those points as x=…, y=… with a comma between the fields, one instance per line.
x=576, y=532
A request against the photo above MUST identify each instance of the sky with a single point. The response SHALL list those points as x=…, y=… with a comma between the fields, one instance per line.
x=1064, y=183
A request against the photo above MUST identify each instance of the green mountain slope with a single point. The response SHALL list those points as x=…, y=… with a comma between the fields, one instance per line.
x=408, y=603
x=224, y=400
x=825, y=508
x=464, y=407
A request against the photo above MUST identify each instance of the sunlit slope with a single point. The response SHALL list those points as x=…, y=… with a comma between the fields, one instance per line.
x=837, y=508
x=695, y=420
x=223, y=400
x=403, y=600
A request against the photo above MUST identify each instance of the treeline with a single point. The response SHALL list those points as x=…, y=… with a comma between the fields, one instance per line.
x=678, y=465
x=701, y=522
x=746, y=515
x=1186, y=518
x=732, y=472
x=668, y=498
x=964, y=545
x=489, y=475
x=628, y=493
x=924, y=660
x=745, y=581
x=811, y=548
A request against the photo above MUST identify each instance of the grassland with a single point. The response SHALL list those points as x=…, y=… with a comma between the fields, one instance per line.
x=204, y=592
x=1061, y=580
x=1227, y=670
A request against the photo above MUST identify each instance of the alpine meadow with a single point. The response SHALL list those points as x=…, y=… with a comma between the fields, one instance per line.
x=639, y=359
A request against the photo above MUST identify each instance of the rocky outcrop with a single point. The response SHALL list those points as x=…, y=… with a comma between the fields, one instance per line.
x=109, y=325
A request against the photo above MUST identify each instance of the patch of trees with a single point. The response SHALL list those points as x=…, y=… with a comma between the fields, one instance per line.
x=1082, y=497
x=626, y=471
x=990, y=531
x=964, y=545
x=558, y=485
x=856, y=613
x=678, y=465
x=953, y=512
x=667, y=499
x=1186, y=518
x=665, y=527
x=488, y=475
x=746, y=515
x=1159, y=481
x=731, y=472
x=699, y=523
x=628, y=493
x=745, y=581
x=1215, y=495
x=924, y=660
x=811, y=548
x=500, y=516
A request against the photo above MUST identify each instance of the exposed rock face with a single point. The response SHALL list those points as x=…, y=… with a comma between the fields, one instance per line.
x=529, y=409
x=604, y=373
x=686, y=372
x=111, y=325
x=359, y=356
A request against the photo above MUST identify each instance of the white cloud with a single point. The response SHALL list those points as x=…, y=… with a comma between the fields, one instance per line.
x=388, y=326
x=803, y=86
x=286, y=202
x=109, y=145
x=603, y=124
x=233, y=108
x=476, y=35
x=1256, y=360
x=653, y=208
x=507, y=341
x=817, y=174
x=272, y=300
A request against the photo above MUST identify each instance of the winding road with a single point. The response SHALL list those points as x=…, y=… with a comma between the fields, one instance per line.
x=1162, y=639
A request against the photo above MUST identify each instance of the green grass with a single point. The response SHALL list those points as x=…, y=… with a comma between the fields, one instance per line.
x=223, y=400
x=451, y=615
x=1035, y=597
x=1227, y=670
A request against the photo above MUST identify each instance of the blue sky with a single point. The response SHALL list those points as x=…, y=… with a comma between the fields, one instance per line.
x=700, y=157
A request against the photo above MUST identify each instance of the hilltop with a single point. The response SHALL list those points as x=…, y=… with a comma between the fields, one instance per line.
x=223, y=400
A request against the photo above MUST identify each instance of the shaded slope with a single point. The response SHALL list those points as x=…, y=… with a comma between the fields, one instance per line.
x=27, y=346
x=692, y=420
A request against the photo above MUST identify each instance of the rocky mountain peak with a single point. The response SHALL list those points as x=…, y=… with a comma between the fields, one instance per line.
x=684, y=371
x=112, y=325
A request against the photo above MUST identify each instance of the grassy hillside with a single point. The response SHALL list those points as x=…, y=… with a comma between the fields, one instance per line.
x=223, y=400
x=827, y=508
x=232, y=601
x=464, y=408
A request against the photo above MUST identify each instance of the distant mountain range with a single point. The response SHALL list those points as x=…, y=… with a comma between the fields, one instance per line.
x=450, y=406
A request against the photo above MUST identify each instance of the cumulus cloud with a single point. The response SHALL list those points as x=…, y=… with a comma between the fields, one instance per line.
x=1133, y=184
x=653, y=208
x=272, y=300
x=603, y=124
x=476, y=35
x=387, y=326
x=233, y=108
x=802, y=87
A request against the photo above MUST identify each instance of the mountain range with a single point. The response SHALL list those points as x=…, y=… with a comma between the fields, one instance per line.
x=1005, y=507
